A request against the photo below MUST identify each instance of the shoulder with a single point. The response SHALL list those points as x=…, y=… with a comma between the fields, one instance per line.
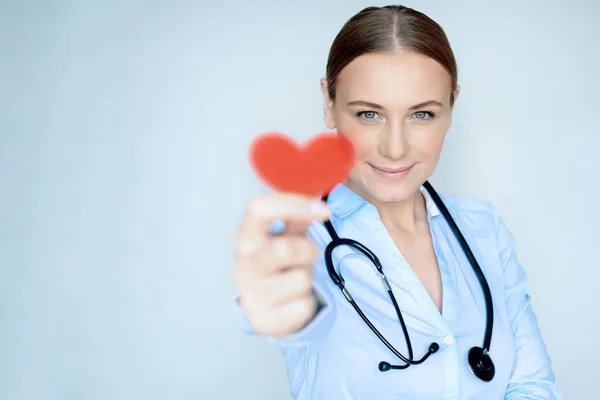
x=481, y=220
x=480, y=217
x=468, y=205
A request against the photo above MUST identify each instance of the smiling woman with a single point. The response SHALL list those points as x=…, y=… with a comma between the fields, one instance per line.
x=390, y=88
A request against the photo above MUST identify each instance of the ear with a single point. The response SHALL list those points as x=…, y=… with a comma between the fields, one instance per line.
x=328, y=105
x=456, y=93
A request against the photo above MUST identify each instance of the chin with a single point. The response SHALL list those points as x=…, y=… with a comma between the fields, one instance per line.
x=385, y=192
x=392, y=194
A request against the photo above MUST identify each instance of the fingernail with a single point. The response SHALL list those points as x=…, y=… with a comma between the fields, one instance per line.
x=277, y=227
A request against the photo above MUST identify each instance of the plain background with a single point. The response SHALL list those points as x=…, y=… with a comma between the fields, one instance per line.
x=124, y=129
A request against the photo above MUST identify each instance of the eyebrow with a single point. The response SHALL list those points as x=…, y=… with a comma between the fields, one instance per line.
x=376, y=106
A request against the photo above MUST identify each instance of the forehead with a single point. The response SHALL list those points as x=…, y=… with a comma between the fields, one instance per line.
x=399, y=79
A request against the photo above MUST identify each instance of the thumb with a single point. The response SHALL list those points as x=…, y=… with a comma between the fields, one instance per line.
x=296, y=228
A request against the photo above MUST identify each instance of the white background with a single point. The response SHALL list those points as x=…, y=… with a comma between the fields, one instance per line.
x=124, y=129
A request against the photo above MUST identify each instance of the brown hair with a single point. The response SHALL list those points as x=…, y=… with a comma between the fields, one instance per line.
x=389, y=28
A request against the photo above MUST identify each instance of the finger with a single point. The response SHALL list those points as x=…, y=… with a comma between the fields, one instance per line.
x=277, y=255
x=296, y=228
x=286, y=252
x=281, y=252
x=284, y=319
x=293, y=316
x=286, y=287
x=263, y=210
x=281, y=227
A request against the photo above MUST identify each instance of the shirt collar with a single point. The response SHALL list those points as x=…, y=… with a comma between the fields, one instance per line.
x=343, y=201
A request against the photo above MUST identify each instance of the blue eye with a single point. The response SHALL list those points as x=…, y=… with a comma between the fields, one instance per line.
x=424, y=115
x=367, y=115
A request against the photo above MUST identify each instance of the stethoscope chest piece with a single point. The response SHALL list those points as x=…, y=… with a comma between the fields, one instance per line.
x=481, y=364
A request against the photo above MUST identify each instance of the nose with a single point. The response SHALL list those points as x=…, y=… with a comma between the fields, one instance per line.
x=394, y=144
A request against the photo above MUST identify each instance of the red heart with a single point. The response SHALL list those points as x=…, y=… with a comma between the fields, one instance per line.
x=313, y=169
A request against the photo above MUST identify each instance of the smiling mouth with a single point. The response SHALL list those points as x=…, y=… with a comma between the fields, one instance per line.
x=392, y=174
x=392, y=170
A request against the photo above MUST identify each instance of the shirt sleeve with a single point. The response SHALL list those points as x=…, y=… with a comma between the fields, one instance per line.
x=532, y=377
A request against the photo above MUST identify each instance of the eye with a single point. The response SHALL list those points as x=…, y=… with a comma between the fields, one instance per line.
x=424, y=115
x=367, y=115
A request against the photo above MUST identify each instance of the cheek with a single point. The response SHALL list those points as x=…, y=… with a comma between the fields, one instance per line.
x=365, y=143
x=427, y=141
x=430, y=145
x=364, y=146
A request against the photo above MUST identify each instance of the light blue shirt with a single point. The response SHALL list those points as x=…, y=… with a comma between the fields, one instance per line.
x=336, y=355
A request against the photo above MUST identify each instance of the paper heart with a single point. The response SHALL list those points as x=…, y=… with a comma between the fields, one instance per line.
x=312, y=169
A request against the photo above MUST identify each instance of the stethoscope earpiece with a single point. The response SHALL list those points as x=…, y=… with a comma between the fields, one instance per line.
x=481, y=364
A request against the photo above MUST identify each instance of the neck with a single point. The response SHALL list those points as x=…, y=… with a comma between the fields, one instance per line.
x=405, y=216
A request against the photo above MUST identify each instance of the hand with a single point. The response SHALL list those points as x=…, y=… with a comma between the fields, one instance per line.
x=273, y=273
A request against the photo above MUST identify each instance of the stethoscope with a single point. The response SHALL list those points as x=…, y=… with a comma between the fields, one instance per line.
x=478, y=358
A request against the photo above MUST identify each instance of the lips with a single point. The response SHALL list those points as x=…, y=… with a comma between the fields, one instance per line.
x=392, y=170
x=392, y=174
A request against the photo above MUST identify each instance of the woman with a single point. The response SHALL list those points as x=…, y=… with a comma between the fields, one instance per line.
x=390, y=88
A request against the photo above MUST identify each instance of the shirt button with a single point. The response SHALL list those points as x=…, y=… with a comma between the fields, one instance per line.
x=448, y=340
